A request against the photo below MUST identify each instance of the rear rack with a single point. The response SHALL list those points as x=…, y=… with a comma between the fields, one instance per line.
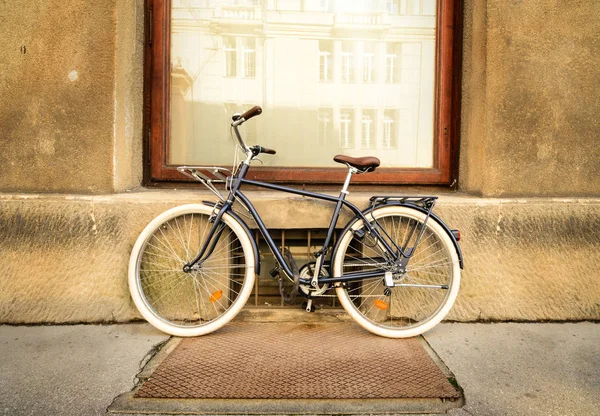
x=208, y=175
x=426, y=202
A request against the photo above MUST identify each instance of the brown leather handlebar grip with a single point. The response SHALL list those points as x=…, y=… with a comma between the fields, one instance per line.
x=267, y=151
x=254, y=111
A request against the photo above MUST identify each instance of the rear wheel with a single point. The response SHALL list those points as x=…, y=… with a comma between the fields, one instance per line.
x=199, y=301
x=422, y=294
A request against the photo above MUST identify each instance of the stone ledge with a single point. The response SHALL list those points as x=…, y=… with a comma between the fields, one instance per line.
x=64, y=257
x=181, y=195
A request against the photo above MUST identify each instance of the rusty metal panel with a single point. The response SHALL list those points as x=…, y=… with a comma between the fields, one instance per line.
x=300, y=360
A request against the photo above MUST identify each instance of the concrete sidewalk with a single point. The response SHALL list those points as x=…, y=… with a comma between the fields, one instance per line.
x=504, y=369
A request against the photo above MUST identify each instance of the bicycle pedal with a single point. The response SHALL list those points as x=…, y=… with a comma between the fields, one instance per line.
x=274, y=272
x=308, y=306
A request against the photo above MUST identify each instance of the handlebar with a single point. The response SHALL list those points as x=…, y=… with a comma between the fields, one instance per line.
x=259, y=149
x=254, y=111
x=268, y=151
x=238, y=119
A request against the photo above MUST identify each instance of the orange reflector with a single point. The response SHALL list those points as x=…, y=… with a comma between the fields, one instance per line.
x=216, y=296
x=456, y=234
x=381, y=304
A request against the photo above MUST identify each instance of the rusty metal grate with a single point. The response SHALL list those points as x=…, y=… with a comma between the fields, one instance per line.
x=303, y=244
x=295, y=361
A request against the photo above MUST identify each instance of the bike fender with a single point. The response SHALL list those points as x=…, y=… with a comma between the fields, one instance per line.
x=432, y=216
x=248, y=232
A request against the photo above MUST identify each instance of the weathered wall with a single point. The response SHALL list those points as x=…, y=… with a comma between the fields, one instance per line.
x=72, y=73
x=65, y=259
x=70, y=111
x=70, y=121
x=530, y=98
x=129, y=92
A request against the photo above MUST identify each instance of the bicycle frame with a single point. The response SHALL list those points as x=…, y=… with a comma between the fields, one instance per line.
x=235, y=194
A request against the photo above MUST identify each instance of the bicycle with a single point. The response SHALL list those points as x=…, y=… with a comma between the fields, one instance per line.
x=395, y=266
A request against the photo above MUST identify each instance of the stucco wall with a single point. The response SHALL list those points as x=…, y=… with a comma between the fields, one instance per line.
x=70, y=110
x=530, y=98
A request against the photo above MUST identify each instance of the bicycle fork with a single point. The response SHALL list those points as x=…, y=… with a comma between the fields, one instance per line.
x=211, y=240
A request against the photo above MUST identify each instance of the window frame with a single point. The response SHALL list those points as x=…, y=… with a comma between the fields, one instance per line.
x=446, y=110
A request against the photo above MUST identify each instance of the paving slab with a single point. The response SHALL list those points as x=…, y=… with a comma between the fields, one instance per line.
x=504, y=369
x=70, y=370
x=530, y=369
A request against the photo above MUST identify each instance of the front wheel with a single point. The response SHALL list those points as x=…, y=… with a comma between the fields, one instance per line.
x=199, y=301
x=422, y=293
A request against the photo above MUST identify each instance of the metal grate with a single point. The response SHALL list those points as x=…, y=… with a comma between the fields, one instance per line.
x=297, y=361
x=303, y=244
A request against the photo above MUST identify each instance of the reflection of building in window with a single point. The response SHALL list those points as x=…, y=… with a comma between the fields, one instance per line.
x=249, y=129
x=392, y=62
x=347, y=62
x=324, y=118
x=419, y=7
x=325, y=60
x=230, y=56
x=346, y=141
x=358, y=59
x=231, y=108
x=238, y=3
x=411, y=62
x=369, y=62
x=326, y=5
x=248, y=57
x=368, y=129
x=389, y=134
x=392, y=6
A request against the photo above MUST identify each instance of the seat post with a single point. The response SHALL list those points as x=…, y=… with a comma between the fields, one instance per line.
x=320, y=255
x=351, y=171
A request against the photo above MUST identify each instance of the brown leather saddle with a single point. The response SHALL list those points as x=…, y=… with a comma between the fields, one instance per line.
x=363, y=164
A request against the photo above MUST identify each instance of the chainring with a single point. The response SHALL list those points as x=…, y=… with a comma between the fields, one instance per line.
x=306, y=273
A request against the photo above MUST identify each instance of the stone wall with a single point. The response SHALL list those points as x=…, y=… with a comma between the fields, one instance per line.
x=73, y=74
x=71, y=125
x=71, y=82
x=530, y=106
x=65, y=259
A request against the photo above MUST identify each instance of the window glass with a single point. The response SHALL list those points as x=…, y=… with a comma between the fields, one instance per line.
x=353, y=77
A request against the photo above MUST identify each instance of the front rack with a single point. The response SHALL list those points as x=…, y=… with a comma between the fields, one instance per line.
x=208, y=175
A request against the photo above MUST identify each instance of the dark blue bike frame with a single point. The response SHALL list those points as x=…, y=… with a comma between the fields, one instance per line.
x=392, y=254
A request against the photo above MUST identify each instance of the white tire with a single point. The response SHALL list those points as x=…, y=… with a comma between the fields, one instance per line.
x=197, y=302
x=408, y=310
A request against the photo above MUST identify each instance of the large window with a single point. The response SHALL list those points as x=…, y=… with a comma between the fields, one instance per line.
x=325, y=60
x=358, y=77
x=230, y=57
x=392, y=62
x=347, y=61
x=346, y=129
x=369, y=62
x=248, y=58
x=368, y=129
